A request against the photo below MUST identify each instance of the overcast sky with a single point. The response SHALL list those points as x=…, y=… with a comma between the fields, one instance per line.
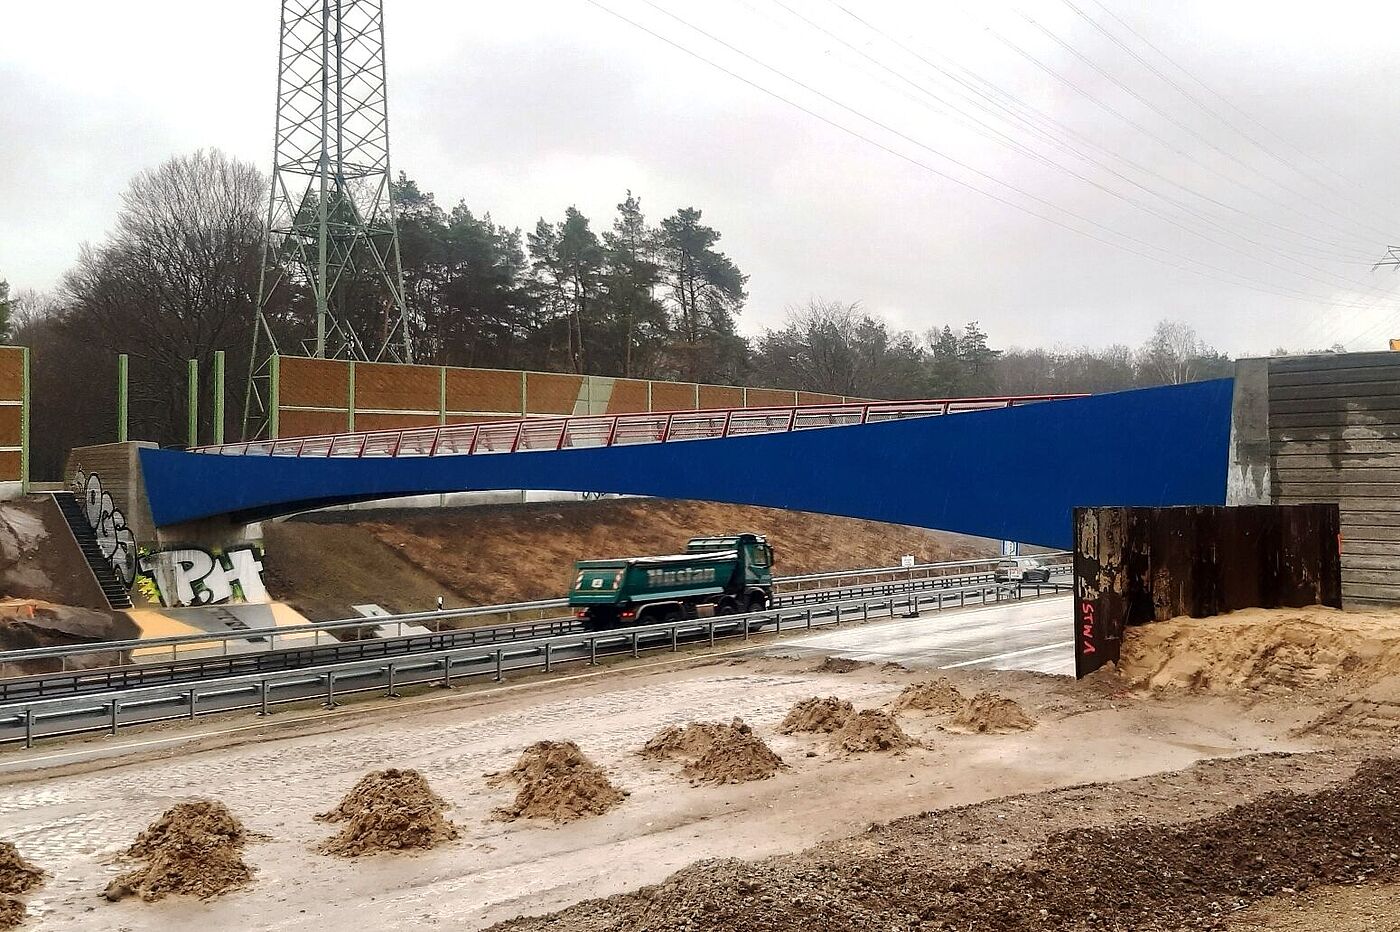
x=1230, y=164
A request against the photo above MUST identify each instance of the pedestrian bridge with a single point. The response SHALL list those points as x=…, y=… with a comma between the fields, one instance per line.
x=1010, y=468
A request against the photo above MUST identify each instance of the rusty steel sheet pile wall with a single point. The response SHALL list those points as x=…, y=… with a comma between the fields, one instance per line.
x=14, y=420
x=1138, y=565
x=328, y=396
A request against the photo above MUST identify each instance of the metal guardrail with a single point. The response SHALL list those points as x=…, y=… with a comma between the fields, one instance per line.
x=560, y=433
x=43, y=718
x=134, y=676
x=202, y=642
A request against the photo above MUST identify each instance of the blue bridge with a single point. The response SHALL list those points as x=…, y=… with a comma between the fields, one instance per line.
x=998, y=468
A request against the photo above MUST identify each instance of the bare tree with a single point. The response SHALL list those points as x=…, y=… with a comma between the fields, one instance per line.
x=1171, y=354
x=176, y=280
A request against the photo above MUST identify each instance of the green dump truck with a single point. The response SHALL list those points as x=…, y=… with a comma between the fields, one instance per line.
x=715, y=576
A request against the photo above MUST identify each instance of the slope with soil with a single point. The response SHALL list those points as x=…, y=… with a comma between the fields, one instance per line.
x=405, y=558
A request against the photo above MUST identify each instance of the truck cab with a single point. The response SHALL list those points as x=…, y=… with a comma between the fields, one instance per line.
x=728, y=575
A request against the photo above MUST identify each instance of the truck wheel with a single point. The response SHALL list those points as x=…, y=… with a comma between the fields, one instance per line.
x=727, y=607
x=671, y=617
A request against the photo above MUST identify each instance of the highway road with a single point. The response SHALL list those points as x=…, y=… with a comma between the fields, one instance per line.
x=1030, y=635
x=1027, y=634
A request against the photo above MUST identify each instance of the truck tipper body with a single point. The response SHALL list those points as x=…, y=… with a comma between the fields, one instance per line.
x=715, y=576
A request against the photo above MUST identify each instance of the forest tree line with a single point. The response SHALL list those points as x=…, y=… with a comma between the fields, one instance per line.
x=177, y=279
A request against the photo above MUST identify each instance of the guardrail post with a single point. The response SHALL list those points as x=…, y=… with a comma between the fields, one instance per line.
x=330, y=691
x=191, y=700
x=634, y=644
x=499, y=653
x=262, y=698
x=116, y=703
x=592, y=652
x=746, y=629
x=838, y=615
x=673, y=639
x=712, y=634
x=29, y=728
x=809, y=618
x=447, y=673
x=548, y=666
x=865, y=610
x=392, y=693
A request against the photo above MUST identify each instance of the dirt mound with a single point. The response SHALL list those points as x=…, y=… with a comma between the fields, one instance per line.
x=557, y=782
x=193, y=849
x=1320, y=650
x=988, y=712
x=838, y=665
x=1145, y=877
x=388, y=810
x=715, y=752
x=16, y=874
x=871, y=730
x=934, y=696
x=817, y=714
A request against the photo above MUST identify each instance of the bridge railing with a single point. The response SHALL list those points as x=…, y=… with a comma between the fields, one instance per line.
x=559, y=433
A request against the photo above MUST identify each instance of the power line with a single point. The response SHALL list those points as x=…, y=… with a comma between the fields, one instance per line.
x=1196, y=135
x=1239, y=281
x=1224, y=100
x=990, y=132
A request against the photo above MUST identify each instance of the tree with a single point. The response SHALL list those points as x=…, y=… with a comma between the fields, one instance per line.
x=836, y=348
x=630, y=278
x=705, y=290
x=976, y=357
x=176, y=280
x=567, y=260
x=1174, y=354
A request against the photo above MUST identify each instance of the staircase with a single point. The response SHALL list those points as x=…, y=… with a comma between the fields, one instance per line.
x=112, y=588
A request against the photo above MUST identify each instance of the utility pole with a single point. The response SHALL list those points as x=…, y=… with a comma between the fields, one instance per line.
x=331, y=231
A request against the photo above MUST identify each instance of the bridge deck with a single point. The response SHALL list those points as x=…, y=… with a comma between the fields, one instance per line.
x=562, y=433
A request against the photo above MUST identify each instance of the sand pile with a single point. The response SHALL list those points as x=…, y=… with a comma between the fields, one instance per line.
x=838, y=665
x=17, y=876
x=388, y=810
x=871, y=730
x=715, y=752
x=1282, y=650
x=557, y=782
x=194, y=849
x=934, y=696
x=817, y=714
x=989, y=712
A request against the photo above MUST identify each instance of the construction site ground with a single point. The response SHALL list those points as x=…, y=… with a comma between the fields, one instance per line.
x=1099, y=755
x=404, y=558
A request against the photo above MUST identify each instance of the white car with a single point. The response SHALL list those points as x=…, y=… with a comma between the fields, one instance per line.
x=1021, y=571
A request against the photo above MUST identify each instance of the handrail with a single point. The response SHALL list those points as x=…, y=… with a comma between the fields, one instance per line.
x=137, y=695
x=605, y=430
x=253, y=634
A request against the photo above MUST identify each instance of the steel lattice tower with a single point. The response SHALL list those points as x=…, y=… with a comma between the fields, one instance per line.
x=331, y=231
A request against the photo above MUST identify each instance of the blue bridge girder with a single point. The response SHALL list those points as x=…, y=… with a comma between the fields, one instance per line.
x=1012, y=473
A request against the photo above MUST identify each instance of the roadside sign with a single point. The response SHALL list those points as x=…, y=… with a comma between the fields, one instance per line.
x=1010, y=548
x=907, y=560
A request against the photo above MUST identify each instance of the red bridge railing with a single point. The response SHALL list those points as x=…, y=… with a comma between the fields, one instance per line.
x=562, y=433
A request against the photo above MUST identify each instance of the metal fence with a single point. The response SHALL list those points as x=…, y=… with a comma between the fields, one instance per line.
x=41, y=718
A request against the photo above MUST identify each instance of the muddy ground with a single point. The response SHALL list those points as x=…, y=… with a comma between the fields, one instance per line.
x=403, y=559
x=1099, y=756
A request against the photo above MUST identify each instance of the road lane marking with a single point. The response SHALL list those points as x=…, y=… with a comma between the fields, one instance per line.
x=1010, y=654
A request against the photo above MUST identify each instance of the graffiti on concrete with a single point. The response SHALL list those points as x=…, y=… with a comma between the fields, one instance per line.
x=194, y=576
x=115, y=540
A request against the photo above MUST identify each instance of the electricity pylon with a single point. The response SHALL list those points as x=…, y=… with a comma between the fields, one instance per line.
x=331, y=232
